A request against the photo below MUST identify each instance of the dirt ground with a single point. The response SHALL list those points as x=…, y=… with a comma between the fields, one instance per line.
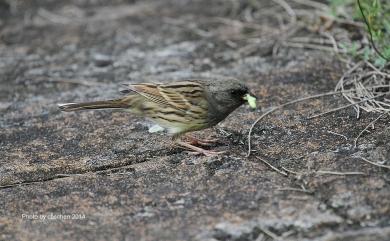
x=100, y=175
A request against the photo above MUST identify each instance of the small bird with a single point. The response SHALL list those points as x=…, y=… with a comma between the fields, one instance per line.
x=180, y=106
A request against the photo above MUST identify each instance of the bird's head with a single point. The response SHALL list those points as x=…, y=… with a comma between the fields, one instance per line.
x=228, y=94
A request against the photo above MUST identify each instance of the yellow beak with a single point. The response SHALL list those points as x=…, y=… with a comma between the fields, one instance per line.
x=251, y=100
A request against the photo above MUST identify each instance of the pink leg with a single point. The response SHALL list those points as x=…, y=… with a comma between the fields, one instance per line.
x=196, y=141
x=198, y=150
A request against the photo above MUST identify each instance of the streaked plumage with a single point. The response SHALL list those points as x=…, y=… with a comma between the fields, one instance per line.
x=181, y=106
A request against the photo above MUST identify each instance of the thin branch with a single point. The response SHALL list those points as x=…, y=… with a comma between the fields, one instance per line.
x=343, y=107
x=290, y=171
x=337, y=134
x=309, y=46
x=269, y=233
x=288, y=9
x=339, y=173
x=307, y=98
x=280, y=107
x=371, y=123
x=273, y=168
x=373, y=163
x=332, y=40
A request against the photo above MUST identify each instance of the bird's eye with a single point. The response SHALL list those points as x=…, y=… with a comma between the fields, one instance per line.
x=238, y=92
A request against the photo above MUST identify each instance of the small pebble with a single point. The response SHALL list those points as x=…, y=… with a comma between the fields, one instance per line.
x=101, y=60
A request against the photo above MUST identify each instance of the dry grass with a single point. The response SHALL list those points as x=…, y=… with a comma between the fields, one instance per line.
x=365, y=81
x=363, y=85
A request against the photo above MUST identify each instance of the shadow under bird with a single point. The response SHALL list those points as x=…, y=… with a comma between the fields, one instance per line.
x=179, y=107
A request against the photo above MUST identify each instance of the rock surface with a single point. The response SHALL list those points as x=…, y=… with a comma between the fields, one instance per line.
x=101, y=176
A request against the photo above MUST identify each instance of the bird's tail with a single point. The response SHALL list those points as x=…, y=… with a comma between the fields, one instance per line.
x=105, y=104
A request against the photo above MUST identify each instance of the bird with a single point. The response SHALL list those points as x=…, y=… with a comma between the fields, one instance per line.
x=180, y=107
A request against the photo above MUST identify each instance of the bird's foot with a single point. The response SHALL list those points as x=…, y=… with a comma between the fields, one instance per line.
x=201, y=142
x=197, y=150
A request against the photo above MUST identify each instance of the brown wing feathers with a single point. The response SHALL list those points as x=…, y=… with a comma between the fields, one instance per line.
x=172, y=95
x=185, y=96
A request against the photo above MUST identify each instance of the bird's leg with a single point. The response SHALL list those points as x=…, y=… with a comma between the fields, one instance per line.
x=191, y=145
x=201, y=142
x=197, y=150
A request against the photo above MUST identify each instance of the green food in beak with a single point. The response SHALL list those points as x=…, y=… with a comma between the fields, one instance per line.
x=251, y=100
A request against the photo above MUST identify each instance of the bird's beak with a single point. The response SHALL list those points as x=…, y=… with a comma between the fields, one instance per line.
x=251, y=100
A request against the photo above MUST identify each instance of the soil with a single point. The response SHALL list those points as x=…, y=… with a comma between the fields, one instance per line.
x=99, y=175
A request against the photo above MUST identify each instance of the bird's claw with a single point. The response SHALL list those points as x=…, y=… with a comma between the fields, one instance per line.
x=204, y=142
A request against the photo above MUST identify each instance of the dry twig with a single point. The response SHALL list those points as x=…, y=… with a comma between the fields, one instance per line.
x=366, y=81
x=271, y=166
x=269, y=233
x=291, y=171
x=371, y=123
x=289, y=10
x=339, y=173
x=337, y=134
x=280, y=107
x=343, y=107
x=373, y=163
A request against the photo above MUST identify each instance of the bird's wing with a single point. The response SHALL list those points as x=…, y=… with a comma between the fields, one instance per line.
x=149, y=91
x=183, y=94
x=180, y=95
